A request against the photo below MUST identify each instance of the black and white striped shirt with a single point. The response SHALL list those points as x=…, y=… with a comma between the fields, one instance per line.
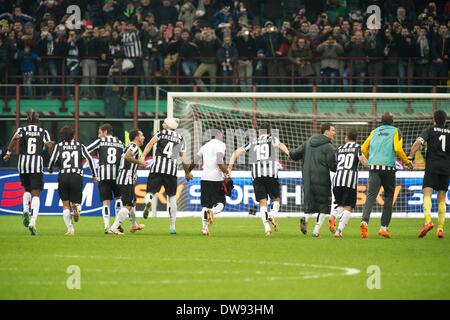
x=132, y=45
x=68, y=157
x=127, y=170
x=110, y=150
x=263, y=156
x=32, y=143
x=347, y=160
x=170, y=144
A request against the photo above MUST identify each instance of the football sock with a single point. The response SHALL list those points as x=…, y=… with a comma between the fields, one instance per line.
x=264, y=217
x=173, y=208
x=35, y=203
x=118, y=205
x=148, y=197
x=275, y=208
x=218, y=208
x=320, y=219
x=132, y=216
x=67, y=219
x=26, y=201
x=105, y=214
x=120, y=217
x=441, y=214
x=204, y=218
x=427, y=208
x=383, y=228
x=346, y=215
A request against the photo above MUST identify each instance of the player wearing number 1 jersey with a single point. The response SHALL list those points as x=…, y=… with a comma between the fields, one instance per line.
x=163, y=171
x=68, y=156
x=437, y=169
x=109, y=150
x=32, y=140
x=264, y=161
x=347, y=158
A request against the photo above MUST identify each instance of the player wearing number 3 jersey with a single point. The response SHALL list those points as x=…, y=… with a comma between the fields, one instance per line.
x=264, y=160
x=163, y=171
x=32, y=140
x=68, y=156
x=110, y=151
x=437, y=169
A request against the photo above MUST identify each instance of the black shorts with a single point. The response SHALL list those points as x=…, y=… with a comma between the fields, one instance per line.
x=438, y=182
x=344, y=196
x=128, y=195
x=157, y=180
x=266, y=186
x=212, y=193
x=32, y=181
x=70, y=187
x=108, y=190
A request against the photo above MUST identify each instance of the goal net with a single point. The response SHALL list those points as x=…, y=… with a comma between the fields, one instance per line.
x=294, y=117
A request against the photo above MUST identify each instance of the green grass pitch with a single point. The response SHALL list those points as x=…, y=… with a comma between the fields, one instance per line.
x=236, y=262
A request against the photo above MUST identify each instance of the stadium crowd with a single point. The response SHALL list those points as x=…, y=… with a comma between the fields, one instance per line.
x=224, y=42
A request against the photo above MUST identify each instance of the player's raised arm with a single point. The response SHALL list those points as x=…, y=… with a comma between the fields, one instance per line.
x=93, y=146
x=12, y=144
x=235, y=155
x=221, y=163
x=88, y=157
x=149, y=146
x=53, y=159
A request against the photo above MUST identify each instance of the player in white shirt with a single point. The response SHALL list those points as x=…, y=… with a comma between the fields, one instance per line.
x=212, y=185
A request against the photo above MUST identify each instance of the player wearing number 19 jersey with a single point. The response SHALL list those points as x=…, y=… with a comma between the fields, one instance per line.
x=32, y=140
x=163, y=171
x=437, y=169
x=263, y=158
x=68, y=156
x=109, y=150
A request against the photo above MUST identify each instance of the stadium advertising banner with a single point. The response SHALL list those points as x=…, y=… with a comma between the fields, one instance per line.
x=407, y=199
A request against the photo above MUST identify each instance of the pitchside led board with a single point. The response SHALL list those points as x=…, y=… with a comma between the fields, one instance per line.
x=408, y=195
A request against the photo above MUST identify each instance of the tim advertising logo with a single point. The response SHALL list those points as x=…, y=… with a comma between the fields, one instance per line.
x=11, y=192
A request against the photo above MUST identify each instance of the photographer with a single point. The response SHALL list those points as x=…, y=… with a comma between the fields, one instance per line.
x=374, y=45
x=422, y=61
x=246, y=48
x=300, y=56
x=89, y=52
x=74, y=44
x=440, y=51
x=227, y=56
x=45, y=47
x=208, y=47
x=355, y=50
x=187, y=51
x=330, y=52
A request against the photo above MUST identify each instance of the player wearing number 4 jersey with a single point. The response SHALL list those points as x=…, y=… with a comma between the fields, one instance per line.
x=68, y=156
x=163, y=171
x=264, y=160
x=437, y=169
x=109, y=151
x=32, y=140
x=347, y=158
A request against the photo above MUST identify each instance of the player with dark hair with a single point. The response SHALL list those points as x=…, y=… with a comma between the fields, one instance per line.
x=163, y=171
x=345, y=180
x=32, y=140
x=129, y=163
x=382, y=148
x=109, y=151
x=68, y=156
x=317, y=154
x=437, y=169
x=264, y=160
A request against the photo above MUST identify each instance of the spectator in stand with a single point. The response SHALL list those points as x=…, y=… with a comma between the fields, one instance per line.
x=133, y=53
x=45, y=47
x=355, y=50
x=206, y=12
x=28, y=60
x=17, y=16
x=246, y=48
x=187, y=51
x=166, y=14
x=300, y=56
x=187, y=14
x=403, y=19
x=4, y=58
x=405, y=45
x=330, y=52
x=74, y=44
x=375, y=44
x=91, y=49
x=208, y=47
x=440, y=51
x=154, y=47
x=227, y=56
x=423, y=57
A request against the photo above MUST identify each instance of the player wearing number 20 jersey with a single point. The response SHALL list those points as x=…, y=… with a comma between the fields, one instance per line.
x=68, y=156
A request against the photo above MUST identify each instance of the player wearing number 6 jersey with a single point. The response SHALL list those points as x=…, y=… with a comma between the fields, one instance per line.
x=32, y=141
x=68, y=156
x=264, y=160
x=109, y=150
x=345, y=180
x=437, y=169
x=163, y=171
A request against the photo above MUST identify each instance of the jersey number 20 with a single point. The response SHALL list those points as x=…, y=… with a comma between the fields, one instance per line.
x=345, y=161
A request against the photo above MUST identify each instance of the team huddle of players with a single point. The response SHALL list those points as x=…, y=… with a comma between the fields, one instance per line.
x=118, y=164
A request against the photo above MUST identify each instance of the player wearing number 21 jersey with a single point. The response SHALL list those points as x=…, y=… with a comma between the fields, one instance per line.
x=437, y=169
x=163, y=171
x=32, y=140
x=263, y=158
x=68, y=156
x=347, y=158
x=109, y=151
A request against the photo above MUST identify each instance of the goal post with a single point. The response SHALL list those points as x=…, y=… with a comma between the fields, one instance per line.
x=294, y=118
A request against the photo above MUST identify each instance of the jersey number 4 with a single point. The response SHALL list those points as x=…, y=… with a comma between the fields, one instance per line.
x=168, y=150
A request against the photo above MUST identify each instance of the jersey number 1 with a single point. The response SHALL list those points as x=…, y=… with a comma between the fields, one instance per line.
x=442, y=138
